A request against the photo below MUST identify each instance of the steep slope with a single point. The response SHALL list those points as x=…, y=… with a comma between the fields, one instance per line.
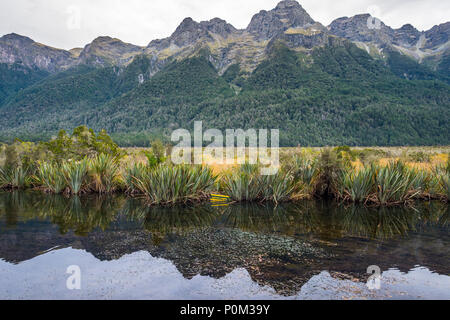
x=373, y=35
x=17, y=49
x=14, y=77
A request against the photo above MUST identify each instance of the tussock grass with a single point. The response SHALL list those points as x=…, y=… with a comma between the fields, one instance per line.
x=246, y=184
x=167, y=185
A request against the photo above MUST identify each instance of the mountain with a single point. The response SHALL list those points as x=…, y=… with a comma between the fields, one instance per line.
x=288, y=14
x=105, y=51
x=16, y=49
x=356, y=82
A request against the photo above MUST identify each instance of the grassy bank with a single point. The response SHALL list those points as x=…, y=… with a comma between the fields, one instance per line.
x=88, y=163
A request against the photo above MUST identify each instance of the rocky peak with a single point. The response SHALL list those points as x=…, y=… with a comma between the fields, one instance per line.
x=287, y=14
x=218, y=26
x=438, y=35
x=107, y=50
x=15, y=48
x=190, y=32
x=362, y=28
x=16, y=39
x=406, y=35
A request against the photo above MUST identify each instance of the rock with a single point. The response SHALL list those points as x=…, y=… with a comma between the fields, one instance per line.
x=406, y=36
x=287, y=14
x=15, y=48
x=108, y=51
x=358, y=28
x=437, y=36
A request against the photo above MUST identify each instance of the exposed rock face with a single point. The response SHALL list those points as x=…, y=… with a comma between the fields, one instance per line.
x=406, y=36
x=108, y=51
x=19, y=49
x=438, y=35
x=287, y=22
x=287, y=14
x=357, y=29
x=190, y=32
x=432, y=45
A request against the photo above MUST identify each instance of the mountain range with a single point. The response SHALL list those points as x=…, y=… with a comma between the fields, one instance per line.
x=356, y=82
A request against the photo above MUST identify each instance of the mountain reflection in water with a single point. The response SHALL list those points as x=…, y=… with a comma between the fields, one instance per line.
x=282, y=247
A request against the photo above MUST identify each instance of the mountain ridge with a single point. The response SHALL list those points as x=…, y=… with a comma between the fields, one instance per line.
x=288, y=20
x=346, y=83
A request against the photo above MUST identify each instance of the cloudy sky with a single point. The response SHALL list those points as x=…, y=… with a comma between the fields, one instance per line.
x=74, y=23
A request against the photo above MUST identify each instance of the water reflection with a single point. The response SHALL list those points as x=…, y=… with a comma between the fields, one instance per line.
x=82, y=215
x=282, y=246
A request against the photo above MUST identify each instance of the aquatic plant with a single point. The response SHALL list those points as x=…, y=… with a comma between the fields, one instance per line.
x=51, y=177
x=104, y=173
x=168, y=185
x=76, y=173
x=302, y=169
x=329, y=170
x=246, y=184
x=14, y=177
x=242, y=183
x=395, y=183
x=358, y=186
x=132, y=175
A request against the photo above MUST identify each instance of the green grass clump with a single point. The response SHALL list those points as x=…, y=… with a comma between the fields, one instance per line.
x=168, y=185
x=104, y=173
x=358, y=186
x=246, y=184
x=14, y=178
x=51, y=177
x=76, y=174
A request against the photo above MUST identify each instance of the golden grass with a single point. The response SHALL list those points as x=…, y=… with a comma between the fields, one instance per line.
x=438, y=156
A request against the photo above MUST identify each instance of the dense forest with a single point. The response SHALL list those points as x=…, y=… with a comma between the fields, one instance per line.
x=332, y=95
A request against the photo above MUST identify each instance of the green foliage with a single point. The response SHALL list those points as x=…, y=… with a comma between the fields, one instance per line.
x=83, y=142
x=51, y=177
x=333, y=95
x=395, y=184
x=16, y=177
x=104, y=173
x=76, y=174
x=168, y=185
x=16, y=77
x=157, y=154
x=246, y=184
x=328, y=173
x=358, y=186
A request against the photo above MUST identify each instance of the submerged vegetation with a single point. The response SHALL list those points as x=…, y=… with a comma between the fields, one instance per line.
x=88, y=163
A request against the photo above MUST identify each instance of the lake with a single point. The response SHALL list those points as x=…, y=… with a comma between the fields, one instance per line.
x=124, y=249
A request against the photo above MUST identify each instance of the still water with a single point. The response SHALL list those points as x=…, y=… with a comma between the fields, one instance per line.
x=308, y=250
